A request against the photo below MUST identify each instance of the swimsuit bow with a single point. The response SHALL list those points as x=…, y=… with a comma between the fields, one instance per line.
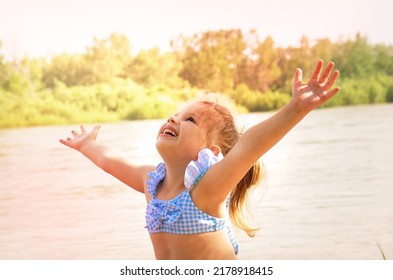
x=161, y=211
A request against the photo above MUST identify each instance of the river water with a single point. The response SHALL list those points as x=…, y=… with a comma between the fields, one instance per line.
x=328, y=193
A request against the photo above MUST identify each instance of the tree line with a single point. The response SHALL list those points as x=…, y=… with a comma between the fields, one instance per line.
x=108, y=83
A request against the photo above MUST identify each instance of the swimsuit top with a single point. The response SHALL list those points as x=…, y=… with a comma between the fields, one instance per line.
x=180, y=215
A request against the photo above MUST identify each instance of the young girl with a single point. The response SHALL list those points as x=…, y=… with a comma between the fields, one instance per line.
x=208, y=168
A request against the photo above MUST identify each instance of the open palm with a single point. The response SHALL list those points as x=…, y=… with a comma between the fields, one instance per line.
x=80, y=138
x=317, y=90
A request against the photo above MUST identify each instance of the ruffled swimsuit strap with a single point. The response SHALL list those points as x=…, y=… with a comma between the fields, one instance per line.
x=197, y=168
x=156, y=177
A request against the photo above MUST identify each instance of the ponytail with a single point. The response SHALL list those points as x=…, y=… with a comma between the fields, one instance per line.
x=238, y=198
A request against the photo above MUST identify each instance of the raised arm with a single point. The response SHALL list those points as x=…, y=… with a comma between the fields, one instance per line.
x=262, y=137
x=107, y=158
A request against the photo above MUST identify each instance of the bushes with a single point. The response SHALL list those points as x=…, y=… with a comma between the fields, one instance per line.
x=116, y=100
x=124, y=99
x=389, y=93
x=378, y=89
x=255, y=101
x=363, y=91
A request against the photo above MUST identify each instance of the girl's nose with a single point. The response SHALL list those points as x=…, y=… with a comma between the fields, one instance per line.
x=173, y=119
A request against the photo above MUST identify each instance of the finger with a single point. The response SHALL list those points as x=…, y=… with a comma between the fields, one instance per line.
x=74, y=133
x=83, y=130
x=331, y=93
x=297, y=78
x=332, y=80
x=64, y=142
x=97, y=128
x=326, y=73
x=317, y=70
x=95, y=131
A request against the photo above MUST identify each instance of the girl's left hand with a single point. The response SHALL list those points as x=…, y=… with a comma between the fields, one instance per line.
x=317, y=90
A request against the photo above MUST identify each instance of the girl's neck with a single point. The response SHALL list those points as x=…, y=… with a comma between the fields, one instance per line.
x=174, y=177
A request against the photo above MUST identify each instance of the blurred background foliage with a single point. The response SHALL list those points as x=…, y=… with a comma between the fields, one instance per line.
x=108, y=83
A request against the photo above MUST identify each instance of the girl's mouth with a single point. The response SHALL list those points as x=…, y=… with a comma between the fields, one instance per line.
x=170, y=132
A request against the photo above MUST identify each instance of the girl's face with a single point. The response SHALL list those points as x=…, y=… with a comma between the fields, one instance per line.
x=184, y=134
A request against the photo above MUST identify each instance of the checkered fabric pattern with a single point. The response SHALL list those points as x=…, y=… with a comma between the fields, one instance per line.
x=180, y=215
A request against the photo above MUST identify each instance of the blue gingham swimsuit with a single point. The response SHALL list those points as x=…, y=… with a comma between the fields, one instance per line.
x=180, y=215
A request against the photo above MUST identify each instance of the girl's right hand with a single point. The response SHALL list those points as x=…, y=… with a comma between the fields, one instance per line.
x=82, y=138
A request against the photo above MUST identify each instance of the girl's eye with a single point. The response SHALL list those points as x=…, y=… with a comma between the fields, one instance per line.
x=191, y=119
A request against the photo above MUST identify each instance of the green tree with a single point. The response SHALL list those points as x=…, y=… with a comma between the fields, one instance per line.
x=150, y=67
x=210, y=59
x=266, y=70
x=22, y=77
x=2, y=67
x=107, y=58
x=293, y=57
x=323, y=49
x=69, y=69
x=383, y=59
x=355, y=58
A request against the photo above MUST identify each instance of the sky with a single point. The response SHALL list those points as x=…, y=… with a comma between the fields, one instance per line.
x=48, y=27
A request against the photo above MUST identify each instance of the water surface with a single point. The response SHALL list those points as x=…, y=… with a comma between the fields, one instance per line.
x=329, y=193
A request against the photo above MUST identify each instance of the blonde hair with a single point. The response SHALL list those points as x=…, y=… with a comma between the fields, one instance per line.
x=223, y=131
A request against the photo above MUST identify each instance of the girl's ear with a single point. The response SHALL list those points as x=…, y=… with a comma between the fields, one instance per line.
x=215, y=149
